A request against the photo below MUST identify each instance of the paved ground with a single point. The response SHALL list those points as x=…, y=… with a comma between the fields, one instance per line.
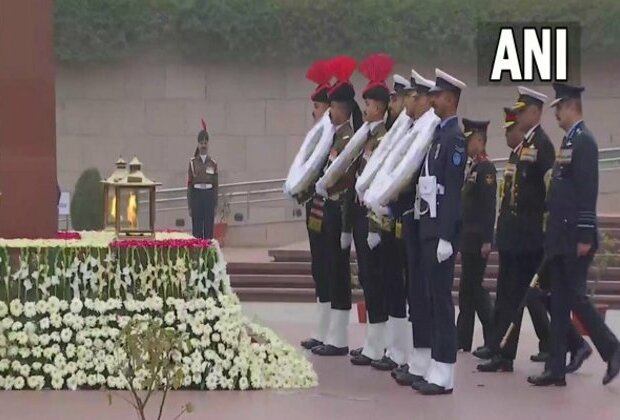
x=348, y=392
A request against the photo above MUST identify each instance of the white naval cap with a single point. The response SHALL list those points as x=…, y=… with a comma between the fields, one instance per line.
x=400, y=83
x=419, y=83
x=529, y=96
x=445, y=82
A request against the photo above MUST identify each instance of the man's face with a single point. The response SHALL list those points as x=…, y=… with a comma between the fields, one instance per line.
x=562, y=114
x=338, y=113
x=203, y=147
x=439, y=102
x=374, y=111
x=514, y=135
x=474, y=145
x=410, y=104
x=397, y=103
x=529, y=116
x=422, y=104
x=318, y=110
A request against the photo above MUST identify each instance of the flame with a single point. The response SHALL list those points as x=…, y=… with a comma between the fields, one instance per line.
x=132, y=211
x=113, y=208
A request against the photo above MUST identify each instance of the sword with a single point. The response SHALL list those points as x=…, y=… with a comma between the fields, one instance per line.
x=534, y=284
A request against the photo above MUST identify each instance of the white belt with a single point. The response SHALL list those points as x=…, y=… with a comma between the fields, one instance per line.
x=203, y=186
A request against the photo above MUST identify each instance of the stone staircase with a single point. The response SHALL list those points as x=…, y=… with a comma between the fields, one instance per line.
x=286, y=276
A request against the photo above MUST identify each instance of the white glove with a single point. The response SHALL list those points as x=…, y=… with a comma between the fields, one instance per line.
x=444, y=250
x=345, y=240
x=320, y=189
x=373, y=240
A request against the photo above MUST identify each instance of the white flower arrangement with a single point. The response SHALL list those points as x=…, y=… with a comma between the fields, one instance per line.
x=59, y=328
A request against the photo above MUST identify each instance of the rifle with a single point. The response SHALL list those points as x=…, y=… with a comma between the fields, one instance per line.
x=534, y=284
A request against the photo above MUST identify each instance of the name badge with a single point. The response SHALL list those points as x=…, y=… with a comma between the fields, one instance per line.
x=529, y=154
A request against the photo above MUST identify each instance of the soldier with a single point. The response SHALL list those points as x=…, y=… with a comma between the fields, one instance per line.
x=367, y=228
x=572, y=239
x=439, y=185
x=320, y=74
x=478, y=212
x=417, y=104
x=337, y=236
x=202, y=186
x=520, y=231
x=393, y=258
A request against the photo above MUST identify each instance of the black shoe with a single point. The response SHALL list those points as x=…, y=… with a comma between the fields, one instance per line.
x=432, y=389
x=311, y=343
x=407, y=379
x=546, y=379
x=577, y=358
x=613, y=367
x=329, y=350
x=385, y=364
x=361, y=360
x=483, y=353
x=418, y=382
x=496, y=364
x=400, y=369
x=356, y=352
x=541, y=357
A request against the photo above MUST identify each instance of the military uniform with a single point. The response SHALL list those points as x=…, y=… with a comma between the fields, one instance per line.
x=202, y=186
x=336, y=221
x=368, y=227
x=419, y=351
x=572, y=220
x=478, y=213
x=440, y=184
x=319, y=73
x=520, y=237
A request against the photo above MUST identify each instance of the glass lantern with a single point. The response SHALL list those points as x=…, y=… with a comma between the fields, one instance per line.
x=109, y=193
x=131, y=205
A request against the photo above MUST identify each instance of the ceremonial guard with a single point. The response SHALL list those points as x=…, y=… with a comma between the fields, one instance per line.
x=319, y=73
x=393, y=261
x=202, y=187
x=417, y=104
x=520, y=232
x=478, y=213
x=439, y=186
x=367, y=228
x=336, y=219
x=572, y=239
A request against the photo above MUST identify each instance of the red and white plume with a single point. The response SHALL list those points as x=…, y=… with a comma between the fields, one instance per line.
x=342, y=67
x=204, y=124
x=377, y=68
x=319, y=72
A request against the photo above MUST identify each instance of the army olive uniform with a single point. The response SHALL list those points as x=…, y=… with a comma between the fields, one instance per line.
x=202, y=187
x=478, y=213
x=363, y=222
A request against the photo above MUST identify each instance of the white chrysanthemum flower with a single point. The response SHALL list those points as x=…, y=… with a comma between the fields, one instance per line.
x=72, y=383
x=76, y=306
x=16, y=308
x=91, y=321
x=88, y=343
x=53, y=305
x=37, y=352
x=57, y=383
x=19, y=383
x=22, y=338
x=215, y=337
x=30, y=310
x=64, y=306
x=44, y=324
x=66, y=335
x=17, y=326
x=15, y=365
x=4, y=365
x=4, y=310
x=24, y=352
x=169, y=318
x=41, y=307
x=55, y=337
x=48, y=353
x=24, y=371
x=7, y=322
x=56, y=320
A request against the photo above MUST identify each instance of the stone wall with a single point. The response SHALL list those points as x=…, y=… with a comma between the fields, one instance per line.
x=151, y=106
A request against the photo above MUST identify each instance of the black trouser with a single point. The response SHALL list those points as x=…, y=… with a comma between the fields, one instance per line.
x=515, y=274
x=439, y=279
x=568, y=292
x=203, y=212
x=419, y=297
x=473, y=298
x=369, y=268
x=338, y=260
x=393, y=268
x=319, y=260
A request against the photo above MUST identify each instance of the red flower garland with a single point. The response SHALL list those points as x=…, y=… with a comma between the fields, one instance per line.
x=167, y=243
x=68, y=235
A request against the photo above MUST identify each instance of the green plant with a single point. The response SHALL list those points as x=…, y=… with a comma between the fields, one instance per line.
x=224, y=208
x=606, y=256
x=87, y=202
x=151, y=362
